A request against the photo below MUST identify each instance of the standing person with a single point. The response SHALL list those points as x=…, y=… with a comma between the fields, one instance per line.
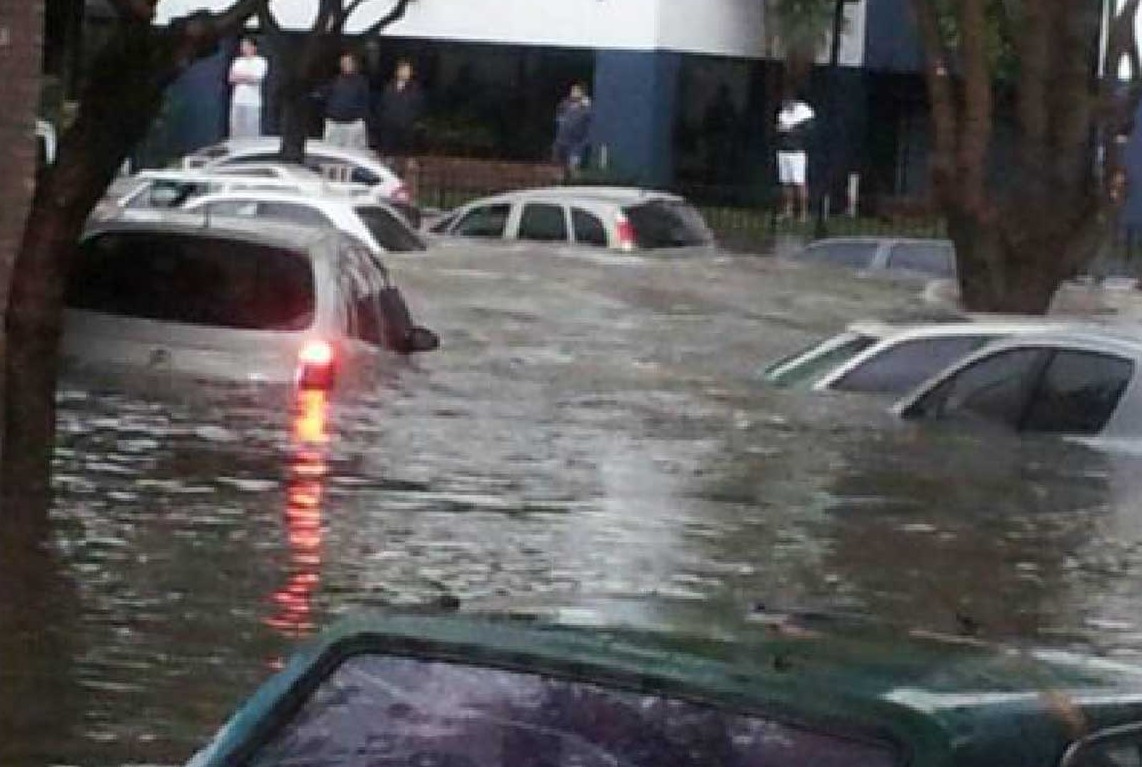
x=246, y=76
x=347, y=106
x=572, y=128
x=401, y=106
x=794, y=122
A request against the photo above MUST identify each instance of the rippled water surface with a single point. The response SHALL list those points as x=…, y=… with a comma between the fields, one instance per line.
x=591, y=428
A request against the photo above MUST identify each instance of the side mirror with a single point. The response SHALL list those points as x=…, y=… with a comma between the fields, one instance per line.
x=421, y=340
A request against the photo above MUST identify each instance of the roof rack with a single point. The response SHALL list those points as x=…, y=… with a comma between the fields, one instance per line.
x=238, y=181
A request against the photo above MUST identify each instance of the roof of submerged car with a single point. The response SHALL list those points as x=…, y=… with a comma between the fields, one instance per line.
x=265, y=231
x=606, y=194
x=971, y=325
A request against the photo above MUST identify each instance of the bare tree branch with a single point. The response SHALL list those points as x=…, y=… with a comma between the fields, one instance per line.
x=134, y=10
x=349, y=10
x=267, y=21
x=197, y=35
x=394, y=15
x=238, y=14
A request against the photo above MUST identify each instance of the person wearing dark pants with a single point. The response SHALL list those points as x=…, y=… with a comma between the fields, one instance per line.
x=400, y=110
x=347, y=106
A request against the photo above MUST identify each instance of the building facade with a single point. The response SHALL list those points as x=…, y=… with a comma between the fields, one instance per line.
x=685, y=91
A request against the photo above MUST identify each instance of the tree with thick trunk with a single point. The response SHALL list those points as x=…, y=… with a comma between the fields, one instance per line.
x=311, y=67
x=20, y=61
x=1023, y=228
x=123, y=94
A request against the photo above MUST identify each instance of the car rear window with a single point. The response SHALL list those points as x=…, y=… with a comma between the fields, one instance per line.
x=196, y=280
x=667, y=224
x=932, y=258
x=390, y=232
x=854, y=255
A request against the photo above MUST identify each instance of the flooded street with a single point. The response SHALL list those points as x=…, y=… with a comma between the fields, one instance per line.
x=591, y=429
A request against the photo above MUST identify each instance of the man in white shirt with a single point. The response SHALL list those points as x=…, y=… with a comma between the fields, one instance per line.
x=246, y=76
x=793, y=125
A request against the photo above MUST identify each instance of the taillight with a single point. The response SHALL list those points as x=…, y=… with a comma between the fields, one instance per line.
x=625, y=230
x=316, y=364
x=402, y=194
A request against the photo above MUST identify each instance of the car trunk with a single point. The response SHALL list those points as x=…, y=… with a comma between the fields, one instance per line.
x=205, y=307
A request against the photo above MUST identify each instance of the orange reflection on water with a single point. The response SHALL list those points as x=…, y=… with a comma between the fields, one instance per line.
x=293, y=602
x=309, y=426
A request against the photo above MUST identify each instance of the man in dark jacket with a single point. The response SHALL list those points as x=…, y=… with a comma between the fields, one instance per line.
x=401, y=106
x=347, y=106
x=572, y=128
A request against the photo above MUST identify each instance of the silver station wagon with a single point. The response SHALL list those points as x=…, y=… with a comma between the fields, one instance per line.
x=235, y=301
x=618, y=218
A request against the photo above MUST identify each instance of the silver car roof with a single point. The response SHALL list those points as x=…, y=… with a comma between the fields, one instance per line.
x=263, y=231
x=586, y=194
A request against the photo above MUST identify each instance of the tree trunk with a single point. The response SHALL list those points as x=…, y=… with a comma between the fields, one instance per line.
x=20, y=64
x=294, y=121
x=124, y=96
x=303, y=78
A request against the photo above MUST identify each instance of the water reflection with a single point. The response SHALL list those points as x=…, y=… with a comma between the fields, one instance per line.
x=308, y=469
x=39, y=702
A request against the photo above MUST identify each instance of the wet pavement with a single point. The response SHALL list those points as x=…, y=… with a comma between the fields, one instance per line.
x=591, y=429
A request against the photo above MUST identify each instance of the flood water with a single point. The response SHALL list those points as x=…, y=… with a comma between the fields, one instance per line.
x=590, y=430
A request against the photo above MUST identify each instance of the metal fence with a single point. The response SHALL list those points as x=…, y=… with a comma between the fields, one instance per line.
x=744, y=218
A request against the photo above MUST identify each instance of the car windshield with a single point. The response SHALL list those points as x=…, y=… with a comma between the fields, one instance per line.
x=667, y=224
x=809, y=365
x=390, y=232
x=405, y=711
x=195, y=280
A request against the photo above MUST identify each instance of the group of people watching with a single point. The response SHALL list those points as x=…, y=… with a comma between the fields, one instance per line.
x=347, y=100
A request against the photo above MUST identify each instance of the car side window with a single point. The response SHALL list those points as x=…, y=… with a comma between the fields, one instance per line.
x=359, y=286
x=932, y=258
x=854, y=255
x=484, y=221
x=993, y=389
x=336, y=169
x=297, y=214
x=1078, y=393
x=903, y=367
x=542, y=222
x=588, y=228
x=240, y=208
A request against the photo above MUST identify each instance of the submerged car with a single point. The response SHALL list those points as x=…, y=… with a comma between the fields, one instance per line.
x=375, y=224
x=618, y=218
x=1081, y=383
x=465, y=691
x=235, y=301
x=884, y=256
x=884, y=358
x=340, y=164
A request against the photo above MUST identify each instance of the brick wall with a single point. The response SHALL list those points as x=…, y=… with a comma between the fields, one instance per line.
x=21, y=36
x=447, y=181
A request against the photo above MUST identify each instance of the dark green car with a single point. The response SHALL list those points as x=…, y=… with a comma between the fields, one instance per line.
x=480, y=692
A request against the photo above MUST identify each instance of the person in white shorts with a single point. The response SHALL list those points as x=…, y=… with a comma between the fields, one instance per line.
x=794, y=122
x=246, y=76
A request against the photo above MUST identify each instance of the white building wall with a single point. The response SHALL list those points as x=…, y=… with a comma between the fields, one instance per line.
x=718, y=27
